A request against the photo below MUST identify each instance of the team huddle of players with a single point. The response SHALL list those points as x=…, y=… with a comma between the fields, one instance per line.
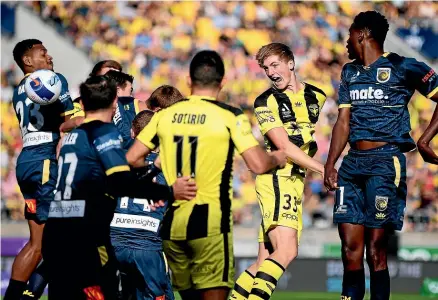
x=135, y=188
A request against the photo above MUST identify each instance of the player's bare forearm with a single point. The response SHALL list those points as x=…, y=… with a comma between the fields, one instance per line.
x=423, y=143
x=136, y=154
x=281, y=140
x=431, y=130
x=299, y=157
x=260, y=162
x=71, y=124
x=339, y=137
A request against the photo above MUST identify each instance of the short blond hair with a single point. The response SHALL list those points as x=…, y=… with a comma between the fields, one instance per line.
x=283, y=52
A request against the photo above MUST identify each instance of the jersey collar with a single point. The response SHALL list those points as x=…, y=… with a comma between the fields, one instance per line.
x=384, y=55
x=198, y=97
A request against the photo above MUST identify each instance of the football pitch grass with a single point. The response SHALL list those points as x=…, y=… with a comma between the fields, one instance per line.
x=279, y=295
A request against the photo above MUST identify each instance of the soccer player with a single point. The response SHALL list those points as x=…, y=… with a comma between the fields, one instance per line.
x=287, y=113
x=127, y=106
x=101, y=68
x=163, y=97
x=136, y=241
x=197, y=137
x=371, y=184
x=92, y=171
x=36, y=165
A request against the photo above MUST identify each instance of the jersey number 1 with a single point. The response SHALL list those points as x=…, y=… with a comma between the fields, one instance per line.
x=193, y=140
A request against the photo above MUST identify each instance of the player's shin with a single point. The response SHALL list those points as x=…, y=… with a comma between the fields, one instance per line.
x=380, y=285
x=242, y=287
x=266, y=279
x=353, y=285
x=37, y=283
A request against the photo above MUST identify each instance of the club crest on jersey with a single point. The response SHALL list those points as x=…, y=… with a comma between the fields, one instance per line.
x=314, y=109
x=383, y=74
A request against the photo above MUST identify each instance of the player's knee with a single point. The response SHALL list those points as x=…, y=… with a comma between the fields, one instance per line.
x=287, y=252
x=352, y=254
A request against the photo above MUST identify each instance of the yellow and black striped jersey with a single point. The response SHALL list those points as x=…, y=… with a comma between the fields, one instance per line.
x=297, y=113
x=197, y=137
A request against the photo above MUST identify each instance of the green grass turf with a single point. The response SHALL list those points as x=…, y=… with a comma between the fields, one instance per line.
x=322, y=296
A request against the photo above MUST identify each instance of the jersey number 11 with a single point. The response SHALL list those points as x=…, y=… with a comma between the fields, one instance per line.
x=193, y=140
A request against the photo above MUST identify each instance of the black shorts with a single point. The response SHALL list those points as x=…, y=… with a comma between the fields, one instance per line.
x=78, y=270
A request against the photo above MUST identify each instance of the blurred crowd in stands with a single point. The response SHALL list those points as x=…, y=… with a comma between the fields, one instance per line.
x=154, y=41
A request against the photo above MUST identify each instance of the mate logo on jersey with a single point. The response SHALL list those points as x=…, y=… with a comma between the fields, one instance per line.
x=368, y=94
x=383, y=74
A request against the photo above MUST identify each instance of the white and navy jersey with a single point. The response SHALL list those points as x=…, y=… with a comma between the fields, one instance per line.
x=134, y=225
x=127, y=109
x=378, y=96
x=89, y=154
x=39, y=124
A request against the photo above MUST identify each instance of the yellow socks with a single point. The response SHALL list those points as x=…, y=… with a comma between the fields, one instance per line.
x=266, y=280
x=242, y=287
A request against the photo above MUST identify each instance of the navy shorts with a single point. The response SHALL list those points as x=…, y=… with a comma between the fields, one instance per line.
x=144, y=274
x=372, y=188
x=78, y=269
x=37, y=181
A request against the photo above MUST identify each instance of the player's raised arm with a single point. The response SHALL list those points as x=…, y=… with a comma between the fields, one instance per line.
x=340, y=135
x=425, y=80
x=256, y=158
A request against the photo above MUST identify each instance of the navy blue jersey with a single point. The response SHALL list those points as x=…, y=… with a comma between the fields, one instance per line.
x=150, y=162
x=127, y=109
x=134, y=225
x=88, y=155
x=379, y=94
x=39, y=124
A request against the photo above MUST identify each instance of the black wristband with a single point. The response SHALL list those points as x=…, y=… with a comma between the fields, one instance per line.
x=172, y=195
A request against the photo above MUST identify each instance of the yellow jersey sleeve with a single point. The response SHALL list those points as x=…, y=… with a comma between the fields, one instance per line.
x=77, y=110
x=149, y=136
x=241, y=133
x=267, y=116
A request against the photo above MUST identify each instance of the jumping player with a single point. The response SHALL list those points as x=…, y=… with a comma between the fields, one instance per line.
x=92, y=171
x=373, y=117
x=36, y=165
x=287, y=113
x=197, y=137
x=136, y=241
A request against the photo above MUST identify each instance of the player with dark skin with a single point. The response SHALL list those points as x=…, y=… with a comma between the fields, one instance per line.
x=365, y=49
x=33, y=59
